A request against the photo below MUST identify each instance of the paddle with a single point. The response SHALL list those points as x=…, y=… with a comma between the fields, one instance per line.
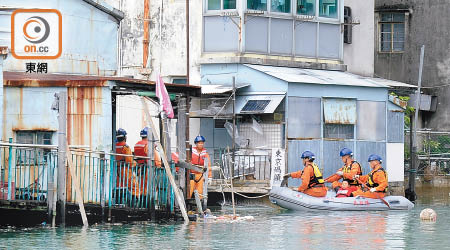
x=329, y=177
x=285, y=179
x=378, y=196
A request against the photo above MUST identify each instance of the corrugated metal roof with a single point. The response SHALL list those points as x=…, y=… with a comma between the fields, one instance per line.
x=209, y=89
x=22, y=79
x=298, y=75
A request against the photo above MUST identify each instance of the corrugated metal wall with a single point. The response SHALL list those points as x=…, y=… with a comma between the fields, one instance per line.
x=395, y=132
x=332, y=161
x=364, y=149
x=295, y=150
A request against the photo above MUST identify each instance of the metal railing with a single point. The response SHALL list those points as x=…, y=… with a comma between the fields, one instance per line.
x=248, y=166
x=433, y=152
x=27, y=170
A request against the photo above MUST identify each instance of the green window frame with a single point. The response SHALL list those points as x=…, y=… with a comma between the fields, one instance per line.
x=306, y=7
x=280, y=6
x=257, y=5
x=329, y=8
x=221, y=4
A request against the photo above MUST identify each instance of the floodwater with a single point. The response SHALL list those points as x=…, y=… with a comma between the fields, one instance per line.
x=271, y=229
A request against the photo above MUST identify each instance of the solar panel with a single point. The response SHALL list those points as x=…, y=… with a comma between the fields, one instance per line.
x=255, y=105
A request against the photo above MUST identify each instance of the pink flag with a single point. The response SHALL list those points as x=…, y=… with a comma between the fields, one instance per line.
x=164, y=99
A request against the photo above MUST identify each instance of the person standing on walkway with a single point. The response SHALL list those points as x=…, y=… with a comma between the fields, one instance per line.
x=125, y=164
x=199, y=155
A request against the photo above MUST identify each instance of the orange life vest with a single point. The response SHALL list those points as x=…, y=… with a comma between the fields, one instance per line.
x=121, y=148
x=139, y=150
x=198, y=158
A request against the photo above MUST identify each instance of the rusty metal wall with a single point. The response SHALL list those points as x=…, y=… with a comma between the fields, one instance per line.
x=339, y=110
x=29, y=109
x=89, y=117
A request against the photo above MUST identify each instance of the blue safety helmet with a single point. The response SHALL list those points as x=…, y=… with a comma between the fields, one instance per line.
x=121, y=133
x=308, y=154
x=144, y=132
x=199, y=138
x=375, y=157
x=346, y=151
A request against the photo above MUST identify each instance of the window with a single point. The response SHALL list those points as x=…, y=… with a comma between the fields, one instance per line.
x=219, y=123
x=328, y=8
x=306, y=7
x=226, y=4
x=179, y=80
x=338, y=131
x=257, y=5
x=33, y=137
x=283, y=6
x=392, y=32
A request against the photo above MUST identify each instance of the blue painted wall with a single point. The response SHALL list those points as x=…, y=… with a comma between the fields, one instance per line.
x=222, y=74
x=89, y=37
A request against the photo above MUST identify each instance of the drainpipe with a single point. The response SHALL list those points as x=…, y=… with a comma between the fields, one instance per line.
x=187, y=44
x=146, y=38
x=3, y=55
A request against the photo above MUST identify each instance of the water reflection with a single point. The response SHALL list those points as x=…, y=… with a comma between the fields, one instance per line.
x=271, y=229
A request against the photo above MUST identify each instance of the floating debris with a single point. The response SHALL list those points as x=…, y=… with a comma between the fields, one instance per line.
x=428, y=214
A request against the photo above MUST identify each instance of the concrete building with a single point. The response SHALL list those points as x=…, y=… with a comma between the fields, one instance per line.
x=401, y=28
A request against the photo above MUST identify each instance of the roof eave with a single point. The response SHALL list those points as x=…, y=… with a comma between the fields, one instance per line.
x=108, y=9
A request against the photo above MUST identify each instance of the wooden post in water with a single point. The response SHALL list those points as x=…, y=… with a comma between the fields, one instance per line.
x=103, y=184
x=177, y=192
x=198, y=202
x=181, y=141
x=205, y=184
x=78, y=195
x=234, y=146
x=62, y=145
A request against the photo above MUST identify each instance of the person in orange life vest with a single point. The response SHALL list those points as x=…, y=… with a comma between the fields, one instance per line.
x=312, y=179
x=125, y=164
x=141, y=149
x=376, y=180
x=199, y=155
x=345, y=190
x=350, y=169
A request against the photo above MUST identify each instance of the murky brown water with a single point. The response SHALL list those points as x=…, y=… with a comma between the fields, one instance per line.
x=271, y=229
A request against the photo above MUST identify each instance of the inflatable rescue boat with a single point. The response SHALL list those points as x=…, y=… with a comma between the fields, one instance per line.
x=291, y=199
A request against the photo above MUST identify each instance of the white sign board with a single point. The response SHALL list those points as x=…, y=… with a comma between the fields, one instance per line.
x=278, y=167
